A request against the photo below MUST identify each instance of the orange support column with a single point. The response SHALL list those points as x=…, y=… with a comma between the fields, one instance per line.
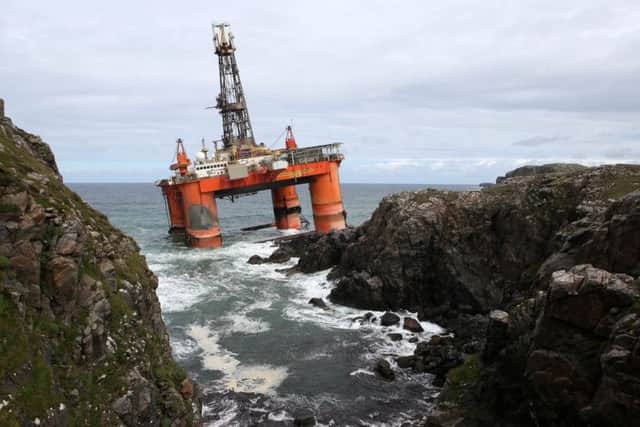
x=173, y=198
x=326, y=201
x=201, y=217
x=286, y=207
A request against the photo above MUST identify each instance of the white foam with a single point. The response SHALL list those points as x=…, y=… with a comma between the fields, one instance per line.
x=240, y=323
x=177, y=293
x=226, y=415
x=262, y=379
x=279, y=416
x=361, y=372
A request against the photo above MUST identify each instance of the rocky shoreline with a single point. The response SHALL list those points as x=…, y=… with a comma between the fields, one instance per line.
x=536, y=278
x=82, y=340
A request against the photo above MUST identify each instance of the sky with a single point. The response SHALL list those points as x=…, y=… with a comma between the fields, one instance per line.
x=446, y=92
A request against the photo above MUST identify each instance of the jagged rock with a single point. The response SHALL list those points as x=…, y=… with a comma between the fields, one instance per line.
x=383, y=368
x=389, y=319
x=411, y=324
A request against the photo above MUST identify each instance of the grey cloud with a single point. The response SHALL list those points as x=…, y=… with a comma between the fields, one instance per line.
x=539, y=140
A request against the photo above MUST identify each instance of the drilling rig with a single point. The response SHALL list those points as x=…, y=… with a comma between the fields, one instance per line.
x=240, y=166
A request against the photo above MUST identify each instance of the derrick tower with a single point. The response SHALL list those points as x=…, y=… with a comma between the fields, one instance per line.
x=236, y=125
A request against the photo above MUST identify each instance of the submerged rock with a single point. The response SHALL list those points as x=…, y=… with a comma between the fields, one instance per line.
x=319, y=302
x=383, y=368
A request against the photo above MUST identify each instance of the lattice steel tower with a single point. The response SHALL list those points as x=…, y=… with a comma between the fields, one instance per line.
x=236, y=124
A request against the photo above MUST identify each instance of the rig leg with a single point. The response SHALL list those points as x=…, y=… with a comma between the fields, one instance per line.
x=286, y=207
x=201, y=215
x=326, y=200
x=173, y=200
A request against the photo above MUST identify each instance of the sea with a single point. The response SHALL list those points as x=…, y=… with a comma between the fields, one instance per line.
x=247, y=333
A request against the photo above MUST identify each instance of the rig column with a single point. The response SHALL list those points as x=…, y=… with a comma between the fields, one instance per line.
x=173, y=199
x=201, y=217
x=286, y=207
x=326, y=201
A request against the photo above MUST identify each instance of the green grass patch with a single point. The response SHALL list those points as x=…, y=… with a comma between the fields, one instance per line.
x=119, y=309
x=462, y=379
x=9, y=208
x=14, y=346
x=622, y=186
x=4, y=262
x=38, y=395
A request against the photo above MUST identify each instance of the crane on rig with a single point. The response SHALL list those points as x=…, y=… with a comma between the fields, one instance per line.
x=241, y=167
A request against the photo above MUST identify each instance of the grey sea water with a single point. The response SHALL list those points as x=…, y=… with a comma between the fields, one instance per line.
x=246, y=332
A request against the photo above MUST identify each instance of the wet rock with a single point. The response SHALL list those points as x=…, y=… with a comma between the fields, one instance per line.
x=319, y=302
x=256, y=259
x=395, y=337
x=279, y=256
x=383, y=368
x=389, y=319
x=304, y=418
x=405, y=362
x=412, y=325
x=437, y=357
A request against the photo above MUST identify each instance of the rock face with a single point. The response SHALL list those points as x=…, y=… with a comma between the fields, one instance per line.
x=82, y=341
x=567, y=357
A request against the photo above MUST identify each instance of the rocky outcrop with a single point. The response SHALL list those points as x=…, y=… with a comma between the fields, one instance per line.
x=82, y=340
x=568, y=357
x=549, y=168
x=443, y=254
x=536, y=340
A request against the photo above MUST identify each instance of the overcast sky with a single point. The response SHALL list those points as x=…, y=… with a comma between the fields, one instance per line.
x=419, y=92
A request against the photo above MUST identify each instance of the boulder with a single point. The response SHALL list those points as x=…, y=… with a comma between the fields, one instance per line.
x=389, y=319
x=411, y=324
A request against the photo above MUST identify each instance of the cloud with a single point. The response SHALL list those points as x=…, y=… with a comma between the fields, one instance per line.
x=540, y=140
x=456, y=93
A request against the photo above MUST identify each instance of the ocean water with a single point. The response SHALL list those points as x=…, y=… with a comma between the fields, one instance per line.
x=246, y=332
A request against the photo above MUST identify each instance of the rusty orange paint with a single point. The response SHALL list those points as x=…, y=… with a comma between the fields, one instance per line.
x=201, y=217
x=326, y=201
x=286, y=207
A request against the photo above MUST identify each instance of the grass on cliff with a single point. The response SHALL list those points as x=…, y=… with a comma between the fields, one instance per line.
x=623, y=185
x=461, y=379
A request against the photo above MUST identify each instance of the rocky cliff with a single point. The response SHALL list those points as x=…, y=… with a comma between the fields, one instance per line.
x=82, y=341
x=534, y=277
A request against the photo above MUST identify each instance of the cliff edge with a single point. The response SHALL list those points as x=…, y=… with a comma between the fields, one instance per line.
x=82, y=340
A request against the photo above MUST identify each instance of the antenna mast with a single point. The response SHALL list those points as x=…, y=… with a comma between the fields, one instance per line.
x=236, y=124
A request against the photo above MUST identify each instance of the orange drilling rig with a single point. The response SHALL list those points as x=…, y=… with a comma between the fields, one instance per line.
x=240, y=167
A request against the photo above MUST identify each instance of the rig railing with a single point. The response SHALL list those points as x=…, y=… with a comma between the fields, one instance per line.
x=316, y=153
